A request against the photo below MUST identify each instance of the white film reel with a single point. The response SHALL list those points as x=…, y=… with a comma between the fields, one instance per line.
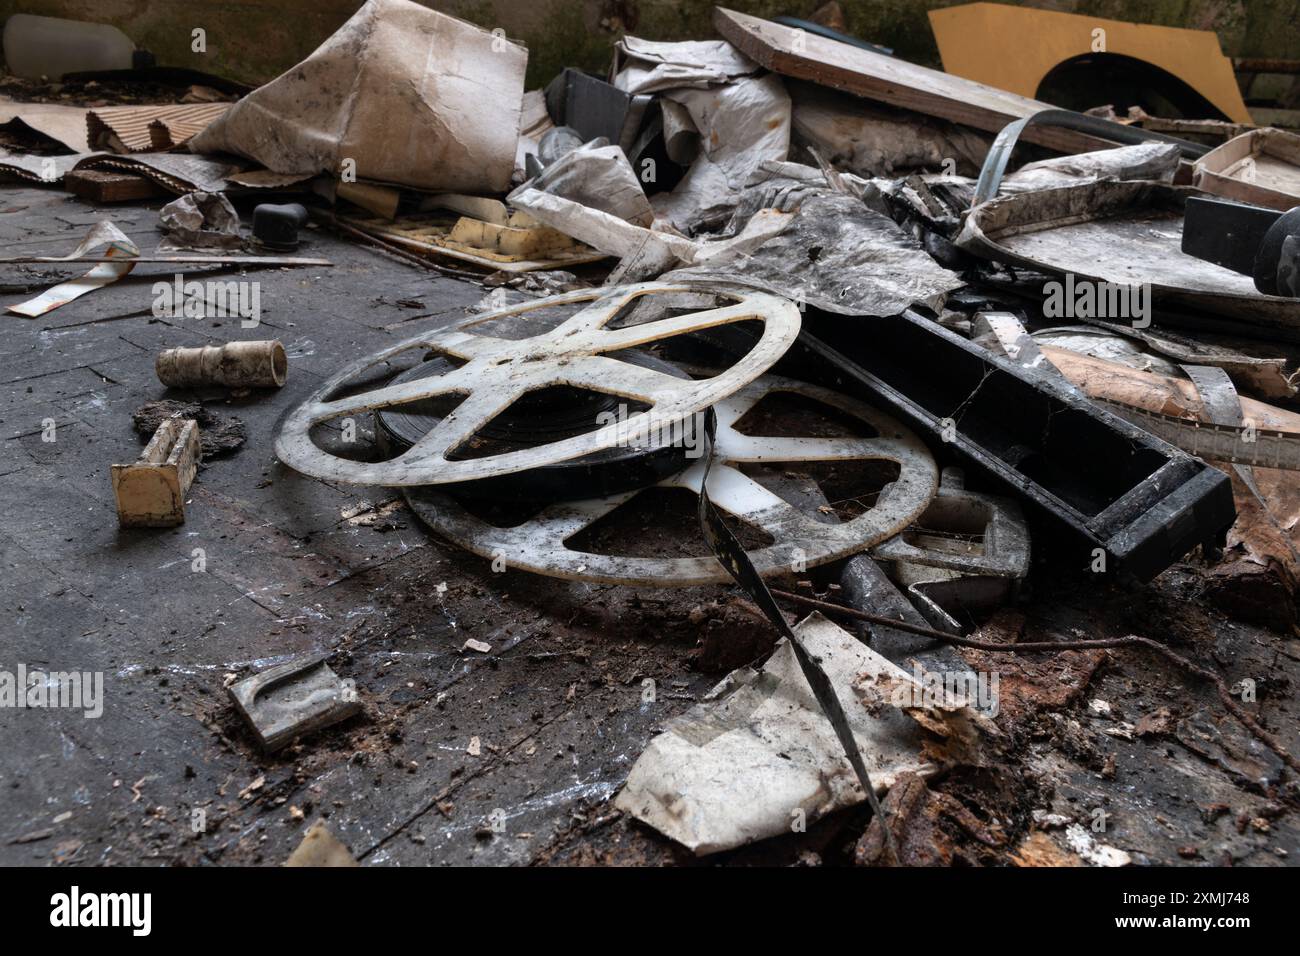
x=800, y=540
x=498, y=371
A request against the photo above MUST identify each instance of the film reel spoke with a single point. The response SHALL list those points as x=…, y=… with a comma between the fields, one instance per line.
x=604, y=374
x=388, y=395
x=568, y=354
x=611, y=340
x=460, y=425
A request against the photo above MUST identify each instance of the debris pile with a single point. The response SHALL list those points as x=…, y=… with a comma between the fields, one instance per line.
x=776, y=312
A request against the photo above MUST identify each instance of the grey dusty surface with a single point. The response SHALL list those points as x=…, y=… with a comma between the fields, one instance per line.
x=296, y=565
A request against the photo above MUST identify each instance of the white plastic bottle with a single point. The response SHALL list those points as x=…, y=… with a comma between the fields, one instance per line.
x=49, y=47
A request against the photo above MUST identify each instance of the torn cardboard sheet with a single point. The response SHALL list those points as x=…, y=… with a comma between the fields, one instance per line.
x=267, y=179
x=760, y=734
x=177, y=172
x=648, y=66
x=139, y=129
x=599, y=177
x=103, y=234
x=408, y=95
x=41, y=169
x=837, y=255
x=64, y=124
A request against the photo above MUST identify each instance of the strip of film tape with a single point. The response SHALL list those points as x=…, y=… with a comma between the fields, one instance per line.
x=734, y=559
x=1240, y=445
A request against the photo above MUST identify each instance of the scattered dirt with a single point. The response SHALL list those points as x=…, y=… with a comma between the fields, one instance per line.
x=931, y=829
x=218, y=434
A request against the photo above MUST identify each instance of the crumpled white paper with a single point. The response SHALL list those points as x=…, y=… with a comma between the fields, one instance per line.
x=649, y=66
x=716, y=111
x=758, y=752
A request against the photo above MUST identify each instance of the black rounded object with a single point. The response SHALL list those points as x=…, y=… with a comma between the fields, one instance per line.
x=276, y=226
x=1269, y=256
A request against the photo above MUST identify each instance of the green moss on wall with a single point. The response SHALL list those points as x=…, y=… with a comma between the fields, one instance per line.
x=567, y=38
x=255, y=41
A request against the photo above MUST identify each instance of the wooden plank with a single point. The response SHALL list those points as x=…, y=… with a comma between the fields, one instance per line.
x=99, y=186
x=886, y=79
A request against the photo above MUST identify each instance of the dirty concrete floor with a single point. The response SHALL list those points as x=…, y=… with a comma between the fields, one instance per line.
x=556, y=705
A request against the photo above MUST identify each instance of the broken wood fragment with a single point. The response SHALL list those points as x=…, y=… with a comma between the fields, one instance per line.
x=101, y=186
x=320, y=847
x=150, y=492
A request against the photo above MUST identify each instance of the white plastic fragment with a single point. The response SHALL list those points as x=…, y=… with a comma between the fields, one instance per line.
x=104, y=233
